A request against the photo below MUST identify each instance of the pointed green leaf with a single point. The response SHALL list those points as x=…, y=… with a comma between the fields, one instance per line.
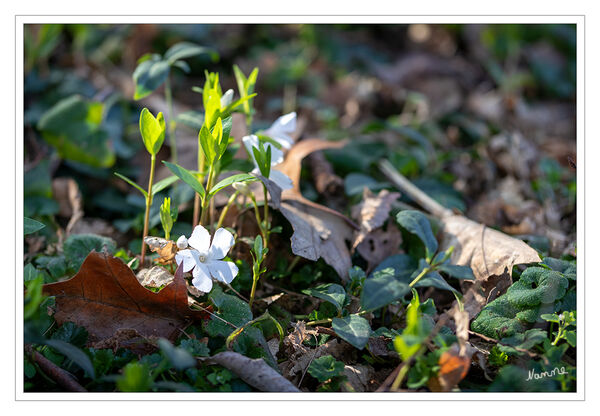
x=240, y=177
x=329, y=292
x=417, y=223
x=184, y=50
x=381, y=290
x=149, y=75
x=31, y=226
x=132, y=183
x=163, y=183
x=186, y=176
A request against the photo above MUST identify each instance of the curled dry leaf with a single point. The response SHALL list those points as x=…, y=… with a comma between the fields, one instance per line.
x=372, y=212
x=255, y=372
x=105, y=296
x=66, y=191
x=318, y=231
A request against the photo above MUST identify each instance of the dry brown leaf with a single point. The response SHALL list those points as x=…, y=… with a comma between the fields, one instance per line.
x=359, y=376
x=255, y=372
x=318, y=231
x=66, y=192
x=105, y=296
x=379, y=245
x=154, y=277
x=372, y=212
x=453, y=368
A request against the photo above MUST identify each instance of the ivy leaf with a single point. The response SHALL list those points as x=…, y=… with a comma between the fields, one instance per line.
x=31, y=226
x=536, y=286
x=417, y=223
x=325, y=368
x=186, y=176
x=329, y=292
x=353, y=329
x=382, y=289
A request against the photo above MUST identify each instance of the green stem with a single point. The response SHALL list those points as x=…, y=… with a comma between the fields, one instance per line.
x=172, y=124
x=266, y=217
x=231, y=200
x=148, y=205
x=258, y=219
x=206, y=199
x=423, y=273
x=404, y=370
x=255, y=277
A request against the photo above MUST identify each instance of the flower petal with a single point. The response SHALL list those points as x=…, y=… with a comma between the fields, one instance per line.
x=189, y=259
x=223, y=271
x=202, y=280
x=281, y=127
x=200, y=239
x=221, y=243
x=281, y=179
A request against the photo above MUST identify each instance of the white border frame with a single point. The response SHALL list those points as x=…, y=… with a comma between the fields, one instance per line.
x=20, y=20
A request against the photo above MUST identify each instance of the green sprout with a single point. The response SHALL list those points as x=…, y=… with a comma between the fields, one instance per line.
x=258, y=253
x=152, y=130
x=168, y=216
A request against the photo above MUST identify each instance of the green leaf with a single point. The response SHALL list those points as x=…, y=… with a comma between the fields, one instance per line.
x=231, y=309
x=458, y=272
x=192, y=119
x=72, y=334
x=74, y=354
x=179, y=358
x=353, y=329
x=401, y=265
x=524, y=341
x=329, y=292
x=186, y=176
x=78, y=246
x=571, y=337
x=73, y=127
x=252, y=343
x=520, y=306
x=31, y=226
x=417, y=223
x=132, y=183
x=381, y=290
x=325, y=368
x=149, y=75
x=152, y=130
x=184, y=50
x=195, y=347
x=31, y=273
x=163, y=183
x=135, y=378
x=240, y=177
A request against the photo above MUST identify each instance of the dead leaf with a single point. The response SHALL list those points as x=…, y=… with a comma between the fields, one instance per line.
x=372, y=212
x=453, y=368
x=359, y=376
x=379, y=245
x=66, y=192
x=105, y=296
x=154, y=277
x=255, y=372
x=318, y=231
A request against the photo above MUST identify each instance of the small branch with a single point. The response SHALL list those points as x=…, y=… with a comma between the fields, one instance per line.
x=60, y=376
x=412, y=191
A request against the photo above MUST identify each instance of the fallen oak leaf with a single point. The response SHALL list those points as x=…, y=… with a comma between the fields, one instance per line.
x=105, y=297
x=255, y=372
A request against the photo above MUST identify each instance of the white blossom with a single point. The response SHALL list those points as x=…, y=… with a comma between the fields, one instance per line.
x=205, y=259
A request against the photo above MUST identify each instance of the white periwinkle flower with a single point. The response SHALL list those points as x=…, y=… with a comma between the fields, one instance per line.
x=206, y=258
x=281, y=129
x=281, y=179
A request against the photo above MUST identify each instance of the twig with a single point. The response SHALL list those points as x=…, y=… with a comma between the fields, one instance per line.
x=60, y=376
x=412, y=191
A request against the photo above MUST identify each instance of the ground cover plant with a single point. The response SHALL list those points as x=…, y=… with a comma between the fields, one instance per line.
x=299, y=208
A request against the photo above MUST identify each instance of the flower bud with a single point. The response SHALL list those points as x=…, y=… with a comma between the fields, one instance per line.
x=182, y=242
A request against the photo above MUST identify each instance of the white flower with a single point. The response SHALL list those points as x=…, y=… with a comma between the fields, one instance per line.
x=206, y=259
x=281, y=129
x=182, y=242
x=281, y=179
